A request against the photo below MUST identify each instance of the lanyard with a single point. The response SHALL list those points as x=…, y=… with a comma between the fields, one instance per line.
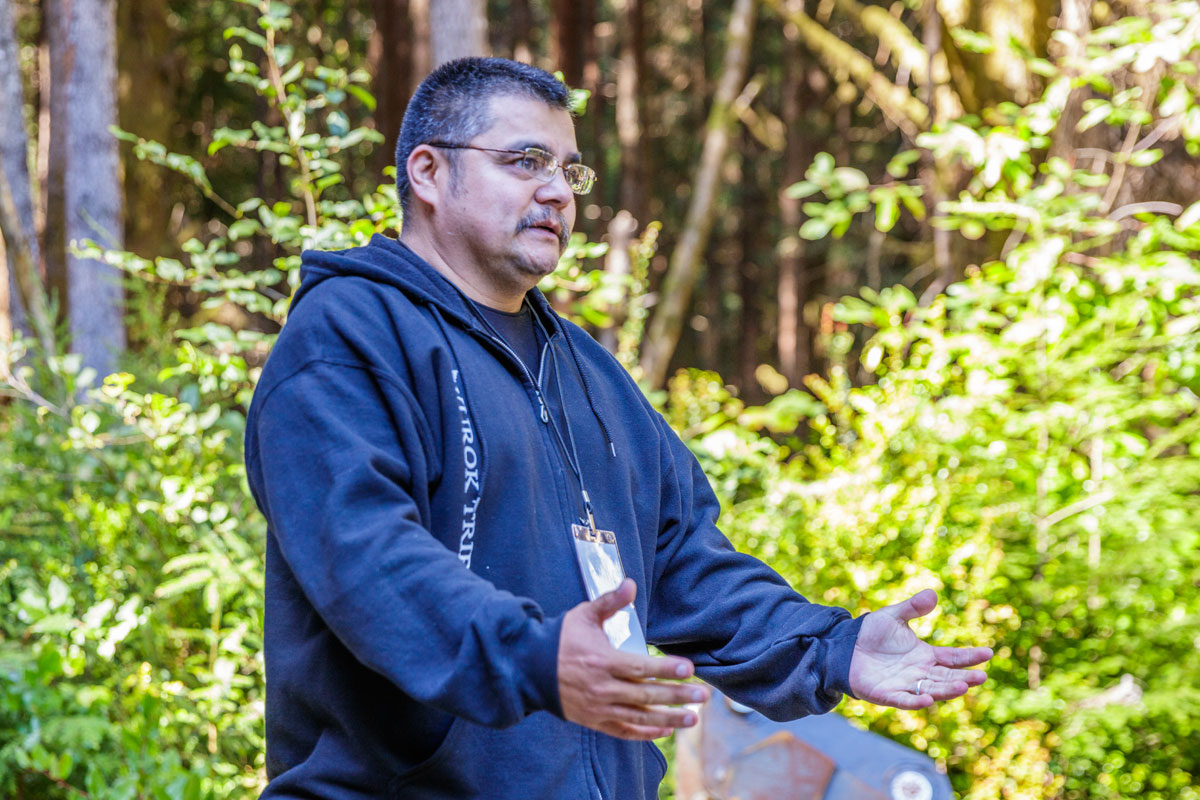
x=570, y=454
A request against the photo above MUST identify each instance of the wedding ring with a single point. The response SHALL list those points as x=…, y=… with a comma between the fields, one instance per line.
x=918, y=692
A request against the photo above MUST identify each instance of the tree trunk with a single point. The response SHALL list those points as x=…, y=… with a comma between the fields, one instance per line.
x=14, y=152
x=567, y=24
x=520, y=26
x=685, y=267
x=390, y=57
x=52, y=147
x=1001, y=73
x=145, y=64
x=618, y=264
x=937, y=172
x=457, y=29
x=750, y=214
x=1076, y=18
x=22, y=268
x=630, y=111
x=95, y=298
x=422, y=60
x=792, y=340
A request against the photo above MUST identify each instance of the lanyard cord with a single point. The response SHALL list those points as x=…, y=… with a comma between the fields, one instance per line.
x=562, y=399
x=571, y=455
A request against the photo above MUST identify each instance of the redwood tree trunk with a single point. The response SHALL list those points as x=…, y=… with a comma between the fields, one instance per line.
x=793, y=338
x=630, y=111
x=390, y=55
x=52, y=147
x=13, y=163
x=686, y=265
x=457, y=28
x=567, y=24
x=95, y=298
x=146, y=65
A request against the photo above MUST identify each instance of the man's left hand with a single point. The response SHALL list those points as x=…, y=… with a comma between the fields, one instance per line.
x=892, y=667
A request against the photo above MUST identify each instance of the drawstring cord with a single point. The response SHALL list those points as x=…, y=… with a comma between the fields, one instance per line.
x=587, y=391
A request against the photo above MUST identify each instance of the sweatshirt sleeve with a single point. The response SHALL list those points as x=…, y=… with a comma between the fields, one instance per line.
x=334, y=454
x=747, y=631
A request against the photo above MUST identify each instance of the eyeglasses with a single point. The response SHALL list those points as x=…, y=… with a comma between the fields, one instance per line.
x=538, y=164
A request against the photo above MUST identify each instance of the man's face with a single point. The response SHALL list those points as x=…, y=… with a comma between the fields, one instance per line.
x=512, y=227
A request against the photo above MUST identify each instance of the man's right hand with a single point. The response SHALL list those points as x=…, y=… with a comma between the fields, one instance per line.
x=609, y=691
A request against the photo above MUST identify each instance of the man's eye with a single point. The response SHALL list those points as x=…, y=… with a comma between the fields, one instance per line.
x=533, y=161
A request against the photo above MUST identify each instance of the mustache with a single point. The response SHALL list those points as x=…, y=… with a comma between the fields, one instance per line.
x=535, y=219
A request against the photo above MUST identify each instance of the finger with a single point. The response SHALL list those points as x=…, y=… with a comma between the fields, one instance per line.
x=971, y=677
x=631, y=667
x=652, y=693
x=907, y=700
x=961, y=656
x=654, y=716
x=918, y=605
x=606, y=605
x=624, y=730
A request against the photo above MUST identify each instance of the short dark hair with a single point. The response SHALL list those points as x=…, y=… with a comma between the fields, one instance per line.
x=451, y=105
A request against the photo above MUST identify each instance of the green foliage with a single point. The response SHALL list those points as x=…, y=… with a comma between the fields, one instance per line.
x=130, y=644
x=132, y=570
x=1024, y=442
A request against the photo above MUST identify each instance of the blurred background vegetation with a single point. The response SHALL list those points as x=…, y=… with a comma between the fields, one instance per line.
x=916, y=280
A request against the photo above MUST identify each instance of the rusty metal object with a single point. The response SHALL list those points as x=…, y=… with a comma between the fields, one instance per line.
x=737, y=754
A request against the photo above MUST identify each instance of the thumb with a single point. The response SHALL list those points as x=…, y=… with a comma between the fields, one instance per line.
x=606, y=605
x=918, y=605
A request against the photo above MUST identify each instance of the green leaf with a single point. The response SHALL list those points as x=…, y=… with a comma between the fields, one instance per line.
x=242, y=228
x=1144, y=158
x=801, y=190
x=256, y=39
x=293, y=73
x=185, y=583
x=886, y=213
x=1094, y=117
x=850, y=179
x=899, y=164
x=364, y=97
x=1189, y=217
x=338, y=122
x=972, y=41
x=814, y=229
x=915, y=206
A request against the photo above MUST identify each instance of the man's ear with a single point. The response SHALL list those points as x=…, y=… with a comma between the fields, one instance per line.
x=427, y=174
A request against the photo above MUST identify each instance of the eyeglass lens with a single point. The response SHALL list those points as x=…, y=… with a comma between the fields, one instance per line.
x=579, y=177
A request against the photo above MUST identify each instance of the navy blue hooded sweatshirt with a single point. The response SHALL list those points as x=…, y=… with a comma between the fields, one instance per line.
x=420, y=562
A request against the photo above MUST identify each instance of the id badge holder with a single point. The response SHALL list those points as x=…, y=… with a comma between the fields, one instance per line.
x=600, y=564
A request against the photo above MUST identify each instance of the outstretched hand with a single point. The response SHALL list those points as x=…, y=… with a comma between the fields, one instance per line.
x=892, y=667
x=621, y=694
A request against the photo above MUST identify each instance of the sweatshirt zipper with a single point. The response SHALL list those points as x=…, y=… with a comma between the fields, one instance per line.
x=543, y=414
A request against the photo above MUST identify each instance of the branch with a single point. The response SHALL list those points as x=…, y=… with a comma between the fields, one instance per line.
x=907, y=52
x=841, y=59
x=685, y=266
x=281, y=98
x=1151, y=206
x=29, y=283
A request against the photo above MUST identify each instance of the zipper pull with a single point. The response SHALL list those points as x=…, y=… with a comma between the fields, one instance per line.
x=542, y=408
x=587, y=507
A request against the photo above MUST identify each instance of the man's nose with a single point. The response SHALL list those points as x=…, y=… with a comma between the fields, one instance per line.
x=556, y=191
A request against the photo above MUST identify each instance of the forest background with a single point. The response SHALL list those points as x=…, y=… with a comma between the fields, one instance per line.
x=915, y=280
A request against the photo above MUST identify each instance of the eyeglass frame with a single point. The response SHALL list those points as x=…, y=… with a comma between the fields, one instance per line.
x=525, y=152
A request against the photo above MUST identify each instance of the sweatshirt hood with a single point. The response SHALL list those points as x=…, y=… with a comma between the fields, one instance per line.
x=391, y=262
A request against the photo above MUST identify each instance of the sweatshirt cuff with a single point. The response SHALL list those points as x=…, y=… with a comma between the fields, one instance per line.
x=837, y=659
x=540, y=659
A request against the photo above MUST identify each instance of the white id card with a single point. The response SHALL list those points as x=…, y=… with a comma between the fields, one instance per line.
x=600, y=565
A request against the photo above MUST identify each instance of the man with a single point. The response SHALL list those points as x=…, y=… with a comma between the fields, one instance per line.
x=430, y=442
